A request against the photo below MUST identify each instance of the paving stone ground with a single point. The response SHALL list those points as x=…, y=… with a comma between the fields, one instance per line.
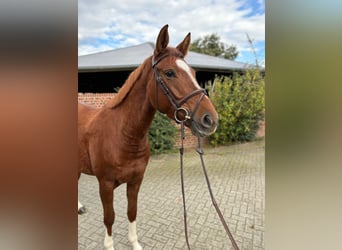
x=238, y=182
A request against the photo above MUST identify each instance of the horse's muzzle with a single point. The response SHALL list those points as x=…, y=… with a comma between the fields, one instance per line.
x=205, y=126
x=200, y=126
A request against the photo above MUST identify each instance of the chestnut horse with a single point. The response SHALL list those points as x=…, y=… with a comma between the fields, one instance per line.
x=113, y=140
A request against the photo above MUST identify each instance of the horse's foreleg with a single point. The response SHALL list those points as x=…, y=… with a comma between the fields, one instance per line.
x=106, y=194
x=132, y=197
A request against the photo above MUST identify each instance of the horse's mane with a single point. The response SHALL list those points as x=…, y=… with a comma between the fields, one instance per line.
x=129, y=83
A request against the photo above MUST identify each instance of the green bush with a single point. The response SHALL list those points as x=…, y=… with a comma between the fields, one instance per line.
x=161, y=134
x=240, y=103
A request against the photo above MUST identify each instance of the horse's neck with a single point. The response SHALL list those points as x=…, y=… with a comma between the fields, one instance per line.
x=135, y=113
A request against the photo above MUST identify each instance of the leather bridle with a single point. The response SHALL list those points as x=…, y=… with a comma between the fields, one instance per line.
x=177, y=104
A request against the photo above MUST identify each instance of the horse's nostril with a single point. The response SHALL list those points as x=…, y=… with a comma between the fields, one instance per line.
x=207, y=121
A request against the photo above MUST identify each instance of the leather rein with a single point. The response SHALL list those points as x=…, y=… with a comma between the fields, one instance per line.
x=187, y=116
x=200, y=151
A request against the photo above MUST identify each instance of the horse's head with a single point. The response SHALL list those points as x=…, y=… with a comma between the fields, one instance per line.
x=174, y=89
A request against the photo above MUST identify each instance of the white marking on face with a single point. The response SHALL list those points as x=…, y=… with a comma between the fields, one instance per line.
x=180, y=63
x=132, y=235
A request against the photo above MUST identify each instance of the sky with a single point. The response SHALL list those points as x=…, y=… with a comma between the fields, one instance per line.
x=111, y=24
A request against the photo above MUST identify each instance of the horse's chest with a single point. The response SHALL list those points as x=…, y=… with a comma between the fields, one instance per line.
x=126, y=172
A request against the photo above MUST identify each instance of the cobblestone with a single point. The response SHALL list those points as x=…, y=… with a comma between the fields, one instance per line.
x=237, y=177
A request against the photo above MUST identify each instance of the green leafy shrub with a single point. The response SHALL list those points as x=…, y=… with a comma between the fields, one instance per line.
x=240, y=103
x=161, y=134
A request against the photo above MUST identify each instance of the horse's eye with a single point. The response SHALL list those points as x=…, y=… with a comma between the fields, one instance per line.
x=170, y=73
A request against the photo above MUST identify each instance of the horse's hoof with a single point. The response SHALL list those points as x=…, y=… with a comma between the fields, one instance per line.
x=82, y=210
x=137, y=246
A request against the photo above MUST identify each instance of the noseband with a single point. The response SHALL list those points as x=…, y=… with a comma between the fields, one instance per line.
x=177, y=104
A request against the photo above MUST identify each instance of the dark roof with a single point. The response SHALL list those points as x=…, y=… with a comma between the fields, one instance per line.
x=131, y=57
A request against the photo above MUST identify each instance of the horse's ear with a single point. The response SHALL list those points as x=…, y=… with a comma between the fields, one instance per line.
x=184, y=45
x=162, y=40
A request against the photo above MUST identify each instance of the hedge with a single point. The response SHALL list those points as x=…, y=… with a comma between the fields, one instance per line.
x=240, y=103
x=161, y=134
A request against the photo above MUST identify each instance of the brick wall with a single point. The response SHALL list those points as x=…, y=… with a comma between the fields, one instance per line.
x=261, y=132
x=99, y=99
x=190, y=140
x=95, y=99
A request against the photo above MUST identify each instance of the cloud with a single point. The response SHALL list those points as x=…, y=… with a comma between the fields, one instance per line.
x=123, y=23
